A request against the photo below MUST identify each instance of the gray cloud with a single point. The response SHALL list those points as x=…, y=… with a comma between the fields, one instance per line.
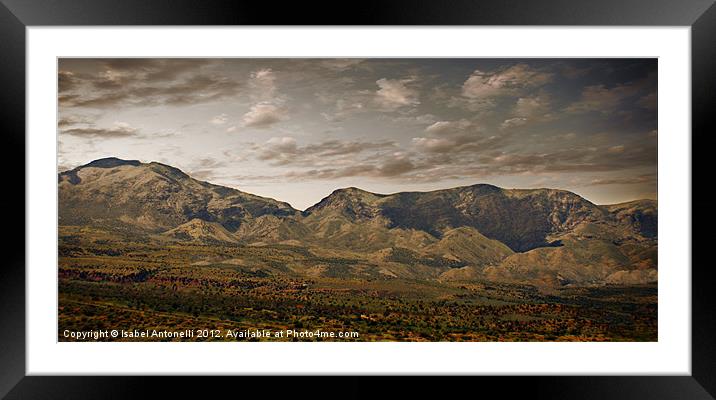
x=119, y=130
x=66, y=81
x=392, y=166
x=286, y=151
x=512, y=80
x=647, y=178
x=142, y=82
x=70, y=120
x=604, y=99
x=393, y=122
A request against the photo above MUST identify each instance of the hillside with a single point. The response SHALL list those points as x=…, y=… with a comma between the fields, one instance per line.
x=153, y=197
x=543, y=237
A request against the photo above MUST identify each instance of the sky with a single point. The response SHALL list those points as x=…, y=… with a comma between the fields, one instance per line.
x=297, y=129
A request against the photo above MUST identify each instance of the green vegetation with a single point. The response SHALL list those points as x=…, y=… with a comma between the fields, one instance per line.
x=114, y=280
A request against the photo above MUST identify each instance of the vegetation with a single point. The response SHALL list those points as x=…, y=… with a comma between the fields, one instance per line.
x=114, y=280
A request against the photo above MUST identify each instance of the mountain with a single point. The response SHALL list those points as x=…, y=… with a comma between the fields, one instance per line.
x=641, y=214
x=153, y=197
x=198, y=230
x=542, y=237
x=521, y=219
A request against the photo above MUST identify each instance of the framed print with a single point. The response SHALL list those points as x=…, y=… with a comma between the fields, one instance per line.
x=476, y=190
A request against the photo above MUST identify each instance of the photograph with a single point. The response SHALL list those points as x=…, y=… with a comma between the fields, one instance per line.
x=357, y=199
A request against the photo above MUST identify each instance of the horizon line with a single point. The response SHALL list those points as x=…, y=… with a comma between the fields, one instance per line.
x=349, y=187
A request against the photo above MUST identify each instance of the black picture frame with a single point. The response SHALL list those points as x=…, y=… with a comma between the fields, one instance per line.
x=16, y=15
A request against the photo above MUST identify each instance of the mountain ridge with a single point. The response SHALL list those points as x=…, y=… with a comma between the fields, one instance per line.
x=549, y=236
x=105, y=163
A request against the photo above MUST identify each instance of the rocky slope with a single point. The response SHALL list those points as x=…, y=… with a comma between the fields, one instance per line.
x=521, y=219
x=543, y=237
x=153, y=197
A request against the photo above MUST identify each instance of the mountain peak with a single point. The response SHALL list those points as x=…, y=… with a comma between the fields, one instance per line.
x=351, y=202
x=355, y=191
x=111, y=162
x=154, y=197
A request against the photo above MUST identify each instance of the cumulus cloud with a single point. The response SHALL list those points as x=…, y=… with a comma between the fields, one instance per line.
x=263, y=115
x=513, y=122
x=531, y=106
x=455, y=137
x=509, y=81
x=395, y=93
x=263, y=84
x=470, y=120
x=344, y=108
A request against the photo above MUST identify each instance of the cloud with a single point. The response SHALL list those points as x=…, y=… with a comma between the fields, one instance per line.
x=114, y=73
x=74, y=120
x=648, y=101
x=422, y=119
x=393, y=166
x=617, y=149
x=602, y=99
x=119, y=130
x=344, y=108
x=449, y=127
x=513, y=122
x=140, y=82
x=433, y=145
x=269, y=109
x=263, y=115
x=512, y=80
x=263, y=84
x=449, y=154
x=205, y=167
x=66, y=80
x=345, y=97
x=462, y=119
x=570, y=71
x=455, y=137
x=220, y=119
x=286, y=151
x=646, y=178
x=574, y=159
x=279, y=145
x=341, y=64
x=531, y=106
x=193, y=90
x=394, y=93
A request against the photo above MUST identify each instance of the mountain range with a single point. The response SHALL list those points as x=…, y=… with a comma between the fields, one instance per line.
x=543, y=237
